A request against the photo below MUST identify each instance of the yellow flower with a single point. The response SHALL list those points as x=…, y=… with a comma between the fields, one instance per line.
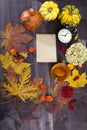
x=76, y=80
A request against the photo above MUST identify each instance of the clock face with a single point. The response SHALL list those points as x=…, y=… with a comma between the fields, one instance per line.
x=64, y=36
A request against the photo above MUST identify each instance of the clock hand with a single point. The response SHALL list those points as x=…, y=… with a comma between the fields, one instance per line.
x=66, y=33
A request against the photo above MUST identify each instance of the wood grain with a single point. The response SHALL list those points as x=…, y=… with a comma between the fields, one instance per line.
x=64, y=119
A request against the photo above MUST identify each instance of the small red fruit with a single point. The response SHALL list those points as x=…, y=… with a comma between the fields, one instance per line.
x=42, y=98
x=13, y=51
x=42, y=87
x=49, y=98
x=31, y=49
x=79, y=66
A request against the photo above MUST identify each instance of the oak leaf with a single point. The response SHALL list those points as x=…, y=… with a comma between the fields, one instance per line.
x=14, y=37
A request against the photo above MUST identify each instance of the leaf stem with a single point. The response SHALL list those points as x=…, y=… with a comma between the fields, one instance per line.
x=3, y=102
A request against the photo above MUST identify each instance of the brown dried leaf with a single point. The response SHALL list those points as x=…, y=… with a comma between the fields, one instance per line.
x=61, y=101
x=11, y=74
x=14, y=36
x=37, y=81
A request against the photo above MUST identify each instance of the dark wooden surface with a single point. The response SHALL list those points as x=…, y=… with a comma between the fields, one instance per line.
x=64, y=119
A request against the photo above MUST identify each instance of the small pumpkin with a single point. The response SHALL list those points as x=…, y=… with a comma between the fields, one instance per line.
x=49, y=10
x=60, y=71
x=69, y=15
x=31, y=19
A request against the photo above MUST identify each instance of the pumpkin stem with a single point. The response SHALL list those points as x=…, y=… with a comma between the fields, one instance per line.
x=31, y=10
x=50, y=10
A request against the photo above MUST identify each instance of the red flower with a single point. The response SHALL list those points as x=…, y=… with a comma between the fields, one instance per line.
x=67, y=92
x=71, y=104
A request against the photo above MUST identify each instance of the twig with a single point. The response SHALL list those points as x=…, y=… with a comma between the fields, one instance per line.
x=7, y=101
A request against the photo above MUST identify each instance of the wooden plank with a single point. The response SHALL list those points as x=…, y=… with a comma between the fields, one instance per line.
x=63, y=120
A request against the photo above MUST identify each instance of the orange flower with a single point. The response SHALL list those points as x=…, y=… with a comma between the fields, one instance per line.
x=49, y=98
x=42, y=87
x=31, y=49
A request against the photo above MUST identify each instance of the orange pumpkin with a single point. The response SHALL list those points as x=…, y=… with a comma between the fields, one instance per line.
x=31, y=19
x=60, y=71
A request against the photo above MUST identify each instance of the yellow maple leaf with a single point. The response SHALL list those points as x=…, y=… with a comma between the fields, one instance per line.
x=76, y=80
x=23, y=87
x=7, y=61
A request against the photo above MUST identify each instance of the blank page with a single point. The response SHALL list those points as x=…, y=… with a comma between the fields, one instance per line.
x=46, y=48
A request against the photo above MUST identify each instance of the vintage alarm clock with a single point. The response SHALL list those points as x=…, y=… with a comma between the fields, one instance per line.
x=67, y=35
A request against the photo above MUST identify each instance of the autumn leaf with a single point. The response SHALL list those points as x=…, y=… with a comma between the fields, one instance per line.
x=61, y=101
x=56, y=91
x=76, y=80
x=27, y=108
x=37, y=81
x=7, y=61
x=14, y=37
x=22, y=88
x=10, y=74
